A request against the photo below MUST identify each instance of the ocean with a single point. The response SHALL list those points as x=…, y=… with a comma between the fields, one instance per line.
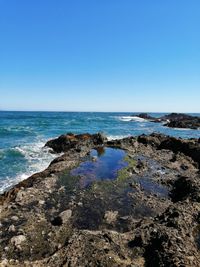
x=24, y=134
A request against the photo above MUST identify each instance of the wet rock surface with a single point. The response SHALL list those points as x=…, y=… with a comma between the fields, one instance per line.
x=129, y=202
x=175, y=120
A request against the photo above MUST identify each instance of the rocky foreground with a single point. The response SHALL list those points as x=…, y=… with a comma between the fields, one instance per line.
x=146, y=215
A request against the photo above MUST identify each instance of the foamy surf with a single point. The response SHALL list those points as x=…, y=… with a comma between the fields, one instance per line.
x=131, y=118
x=115, y=137
x=37, y=158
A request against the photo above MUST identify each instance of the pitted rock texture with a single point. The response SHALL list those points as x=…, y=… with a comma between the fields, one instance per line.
x=149, y=216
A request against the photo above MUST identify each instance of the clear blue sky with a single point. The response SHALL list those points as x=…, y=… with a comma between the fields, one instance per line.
x=100, y=55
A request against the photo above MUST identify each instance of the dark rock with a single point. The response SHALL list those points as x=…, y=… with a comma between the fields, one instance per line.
x=189, y=147
x=175, y=120
x=68, y=141
x=168, y=239
x=153, y=139
x=180, y=120
x=176, y=116
x=146, y=116
x=57, y=221
x=184, y=167
x=184, y=188
x=193, y=123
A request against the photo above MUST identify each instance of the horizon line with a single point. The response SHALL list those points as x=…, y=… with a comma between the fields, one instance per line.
x=75, y=111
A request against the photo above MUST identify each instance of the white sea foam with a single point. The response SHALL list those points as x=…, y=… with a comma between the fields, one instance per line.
x=183, y=129
x=8, y=182
x=114, y=137
x=131, y=118
x=38, y=158
x=178, y=129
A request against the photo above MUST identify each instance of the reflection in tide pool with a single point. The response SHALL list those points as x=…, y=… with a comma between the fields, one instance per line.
x=103, y=164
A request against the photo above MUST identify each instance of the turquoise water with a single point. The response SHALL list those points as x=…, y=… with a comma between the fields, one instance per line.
x=23, y=135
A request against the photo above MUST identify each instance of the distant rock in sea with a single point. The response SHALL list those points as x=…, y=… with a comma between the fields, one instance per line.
x=174, y=120
x=146, y=116
x=178, y=120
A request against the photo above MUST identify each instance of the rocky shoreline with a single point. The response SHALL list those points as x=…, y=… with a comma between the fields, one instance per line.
x=174, y=120
x=130, y=202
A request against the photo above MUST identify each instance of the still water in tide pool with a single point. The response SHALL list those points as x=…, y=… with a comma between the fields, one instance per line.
x=104, y=164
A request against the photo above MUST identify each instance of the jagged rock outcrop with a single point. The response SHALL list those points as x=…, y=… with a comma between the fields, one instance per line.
x=183, y=121
x=189, y=147
x=174, y=120
x=76, y=141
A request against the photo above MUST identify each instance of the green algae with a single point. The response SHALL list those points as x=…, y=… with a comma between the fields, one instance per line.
x=101, y=165
x=126, y=172
x=113, y=178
